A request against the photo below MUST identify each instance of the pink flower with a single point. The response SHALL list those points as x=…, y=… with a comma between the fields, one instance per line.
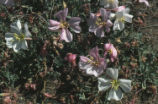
x=109, y=48
x=63, y=26
x=71, y=58
x=93, y=64
x=98, y=23
x=144, y=1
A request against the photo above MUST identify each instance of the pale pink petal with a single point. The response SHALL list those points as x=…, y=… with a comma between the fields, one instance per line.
x=84, y=59
x=54, y=23
x=66, y=35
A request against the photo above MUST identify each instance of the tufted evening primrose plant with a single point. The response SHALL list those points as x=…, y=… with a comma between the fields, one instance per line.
x=16, y=39
x=63, y=26
x=109, y=3
x=117, y=86
x=99, y=23
x=93, y=64
x=122, y=15
x=111, y=50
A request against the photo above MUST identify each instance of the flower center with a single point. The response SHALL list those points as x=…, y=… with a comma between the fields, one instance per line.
x=115, y=84
x=110, y=1
x=122, y=19
x=99, y=22
x=64, y=24
x=93, y=62
x=110, y=51
x=19, y=37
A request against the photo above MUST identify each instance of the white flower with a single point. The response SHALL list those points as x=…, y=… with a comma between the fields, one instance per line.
x=109, y=3
x=116, y=85
x=16, y=39
x=121, y=17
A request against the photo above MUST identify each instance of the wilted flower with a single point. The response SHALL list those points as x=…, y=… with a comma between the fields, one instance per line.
x=63, y=25
x=71, y=58
x=7, y=100
x=122, y=16
x=93, y=64
x=144, y=1
x=17, y=38
x=7, y=2
x=116, y=85
x=98, y=24
x=109, y=48
x=109, y=3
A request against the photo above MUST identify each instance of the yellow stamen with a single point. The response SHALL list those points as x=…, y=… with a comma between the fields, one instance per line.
x=19, y=37
x=100, y=23
x=122, y=19
x=91, y=61
x=64, y=24
x=115, y=84
x=110, y=51
x=110, y=1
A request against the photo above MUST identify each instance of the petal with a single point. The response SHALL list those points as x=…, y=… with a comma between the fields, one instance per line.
x=112, y=73
x=74, y=24
x=115, y=94
x=116, y=25
x=114, y=52
x=19, y=25
x=9, y=39
x=128, y=18
x=121, y=25
x=120, y=8
x=24, y=44
x=104, y=14
x=84, y=59
x=92, y=22
x=74, y=21
x=102, y=63
x=99, y=31
x=66, y=35
x=94, y=52
x=9, y=42
x=145, y=1
x=54, y=23
x=27, y=32
x=9, y=35
x=17, y=46
x=15, y=29
x=107, y=46
x=8, y=2
x=108, y=25
x=112, y=16
x=103, y=84
x=127, y=10
x=96, y=71
x=62, y=14
x=84, y=66
x=125, y=85
x=54, y=28
x=119, y=14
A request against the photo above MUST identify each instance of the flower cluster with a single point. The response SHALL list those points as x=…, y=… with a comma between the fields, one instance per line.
x=93, y=64
x=111, y=17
